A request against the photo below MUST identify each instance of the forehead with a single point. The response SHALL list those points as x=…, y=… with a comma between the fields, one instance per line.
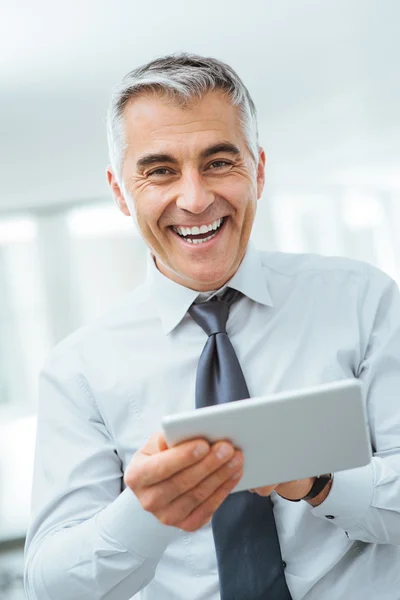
x=154, y=124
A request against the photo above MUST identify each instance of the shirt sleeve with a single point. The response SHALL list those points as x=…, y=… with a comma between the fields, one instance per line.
x=89, y=537
x=365, y=502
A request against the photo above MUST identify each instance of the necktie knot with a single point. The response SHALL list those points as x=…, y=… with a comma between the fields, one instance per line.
x=213, y=315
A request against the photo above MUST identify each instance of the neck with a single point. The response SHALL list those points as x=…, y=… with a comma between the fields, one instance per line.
x=197, y=286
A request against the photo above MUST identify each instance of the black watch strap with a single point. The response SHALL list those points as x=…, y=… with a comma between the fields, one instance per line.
x=319, y=484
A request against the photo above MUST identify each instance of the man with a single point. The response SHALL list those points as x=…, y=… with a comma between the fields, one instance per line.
x=117, y=512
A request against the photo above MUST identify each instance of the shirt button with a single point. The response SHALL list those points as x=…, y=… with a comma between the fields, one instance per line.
x=284, y=564
x=329, y=517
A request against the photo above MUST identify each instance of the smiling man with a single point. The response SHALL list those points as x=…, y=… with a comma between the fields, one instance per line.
x=115, y=512
x=194, y=182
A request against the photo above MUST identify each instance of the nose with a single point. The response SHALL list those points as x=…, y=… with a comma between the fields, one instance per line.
x=193, y=195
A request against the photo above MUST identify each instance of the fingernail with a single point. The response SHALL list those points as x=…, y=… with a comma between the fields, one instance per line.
x=200, y=450
x=237, y=475
x=224, y=451
x=235, y=462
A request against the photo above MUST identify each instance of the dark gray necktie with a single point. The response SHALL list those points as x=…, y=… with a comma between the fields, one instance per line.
x=246, y=541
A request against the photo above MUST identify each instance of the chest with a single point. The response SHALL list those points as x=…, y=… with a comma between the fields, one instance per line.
x=278, y=350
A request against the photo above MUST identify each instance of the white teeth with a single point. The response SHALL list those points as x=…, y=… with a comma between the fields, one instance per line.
x=196, y=230
x=201, y=241
x=216, y=224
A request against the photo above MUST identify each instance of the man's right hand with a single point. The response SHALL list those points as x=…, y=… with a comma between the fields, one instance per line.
x=183, y=486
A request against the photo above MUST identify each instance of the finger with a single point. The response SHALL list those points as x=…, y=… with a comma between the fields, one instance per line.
x=181, y=508
x=154, y=444
x=264, y=491
x=203, y=513
x=161, y=442
x=208, y=471
x=163, y=465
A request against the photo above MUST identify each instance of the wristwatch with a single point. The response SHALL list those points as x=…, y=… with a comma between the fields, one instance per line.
x=319, y=484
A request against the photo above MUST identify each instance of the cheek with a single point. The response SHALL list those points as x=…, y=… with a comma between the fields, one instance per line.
x=150, y=207
x=238, y=191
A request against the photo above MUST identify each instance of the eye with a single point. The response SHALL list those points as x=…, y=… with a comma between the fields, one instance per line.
x=161, y=171
x=219, y=164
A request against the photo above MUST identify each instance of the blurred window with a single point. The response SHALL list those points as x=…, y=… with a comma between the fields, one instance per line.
x=108, y=257
x=24, y=338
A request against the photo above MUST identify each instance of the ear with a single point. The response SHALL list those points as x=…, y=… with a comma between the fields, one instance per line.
x=260, y=172
x=116, y=190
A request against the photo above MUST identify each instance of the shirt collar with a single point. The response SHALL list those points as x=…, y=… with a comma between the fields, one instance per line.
x=173, y=300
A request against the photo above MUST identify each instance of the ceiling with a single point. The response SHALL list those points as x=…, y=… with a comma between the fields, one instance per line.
x=324, y=75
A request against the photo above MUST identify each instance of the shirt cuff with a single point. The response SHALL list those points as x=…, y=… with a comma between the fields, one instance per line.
x=349, y=498
x=137, y=530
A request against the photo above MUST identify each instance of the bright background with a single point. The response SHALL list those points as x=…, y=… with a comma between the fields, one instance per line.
x=325, y=78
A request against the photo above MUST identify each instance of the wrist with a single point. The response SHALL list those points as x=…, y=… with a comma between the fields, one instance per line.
x=295, y=491
x=323, y=494
x=318, y=489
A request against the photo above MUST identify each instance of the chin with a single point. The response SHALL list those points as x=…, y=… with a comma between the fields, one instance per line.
x=197, y=276
x=207, y=281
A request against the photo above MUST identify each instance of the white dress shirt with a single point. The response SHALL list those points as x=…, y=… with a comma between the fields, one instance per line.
x=303, y=320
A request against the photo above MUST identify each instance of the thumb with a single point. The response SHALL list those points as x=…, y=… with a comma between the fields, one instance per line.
x=162, y=444
x=156, y=443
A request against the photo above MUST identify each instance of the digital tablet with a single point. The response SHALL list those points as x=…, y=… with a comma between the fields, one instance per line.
x=285, y=436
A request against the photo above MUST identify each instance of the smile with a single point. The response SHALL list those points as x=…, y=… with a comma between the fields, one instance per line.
x=200, y=234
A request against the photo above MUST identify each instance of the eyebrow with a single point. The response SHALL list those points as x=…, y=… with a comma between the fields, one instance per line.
x=226, y=147
x=150, y=159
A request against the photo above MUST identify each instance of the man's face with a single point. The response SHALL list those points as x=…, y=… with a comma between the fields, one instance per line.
x=186, y=169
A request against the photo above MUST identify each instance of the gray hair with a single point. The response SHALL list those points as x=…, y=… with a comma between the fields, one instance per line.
x=184, y=77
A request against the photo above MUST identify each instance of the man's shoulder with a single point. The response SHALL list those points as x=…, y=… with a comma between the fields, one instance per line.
x=289, y=264
x=128, y=314
x=328, y=277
